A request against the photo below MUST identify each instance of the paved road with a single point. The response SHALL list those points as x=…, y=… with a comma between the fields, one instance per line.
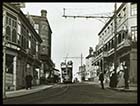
x=75, y=94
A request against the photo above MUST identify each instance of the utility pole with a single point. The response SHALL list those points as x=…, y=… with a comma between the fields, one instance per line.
x=115, y=29
x=4, y=57
x=115, y=46
x=115, y=34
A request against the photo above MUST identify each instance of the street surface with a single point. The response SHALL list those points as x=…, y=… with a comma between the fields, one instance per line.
x=75, y=94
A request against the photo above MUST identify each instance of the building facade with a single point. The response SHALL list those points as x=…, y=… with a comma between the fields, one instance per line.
x=22, y=45
x=42, y=27
x=91, y=73
x=126, y=49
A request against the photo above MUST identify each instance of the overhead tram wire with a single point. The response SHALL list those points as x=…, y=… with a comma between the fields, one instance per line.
x=102, y=17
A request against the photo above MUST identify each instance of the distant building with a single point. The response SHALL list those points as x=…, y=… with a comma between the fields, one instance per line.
x=91, y=71
x=82, y=72
x=126, y=41
x=22, y=47
x=43, y=28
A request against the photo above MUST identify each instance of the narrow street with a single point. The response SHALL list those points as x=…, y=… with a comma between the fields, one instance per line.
x=75, y=94
x=51, y=59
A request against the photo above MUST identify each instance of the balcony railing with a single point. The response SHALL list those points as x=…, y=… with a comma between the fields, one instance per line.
x=124, y=43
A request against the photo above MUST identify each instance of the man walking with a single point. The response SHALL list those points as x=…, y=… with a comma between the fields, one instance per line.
x=28, y=80
x=101, y=78
x=126, y=75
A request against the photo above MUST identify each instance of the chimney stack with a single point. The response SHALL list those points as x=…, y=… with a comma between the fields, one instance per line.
x=43, y=13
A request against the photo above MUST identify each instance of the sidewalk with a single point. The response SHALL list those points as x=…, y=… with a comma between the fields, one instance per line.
x=131, y=89
x=10, y=94
x=106, y=85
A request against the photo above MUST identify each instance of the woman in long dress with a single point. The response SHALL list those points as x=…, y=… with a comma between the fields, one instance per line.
x=121, y=79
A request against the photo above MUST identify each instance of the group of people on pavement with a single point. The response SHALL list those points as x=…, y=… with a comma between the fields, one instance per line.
x=117, y=78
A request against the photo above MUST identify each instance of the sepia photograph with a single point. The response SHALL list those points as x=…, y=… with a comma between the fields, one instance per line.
x=69, y=53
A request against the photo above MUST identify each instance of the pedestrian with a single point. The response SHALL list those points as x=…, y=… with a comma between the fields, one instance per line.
x=101, y=78
x=28, y=80
x=120, y=79
x=113, y=80
x=126, y=75
x=121, y=76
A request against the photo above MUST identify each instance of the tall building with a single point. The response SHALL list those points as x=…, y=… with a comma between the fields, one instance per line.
x=126, y=41
x=43, y=28
x=22, y=44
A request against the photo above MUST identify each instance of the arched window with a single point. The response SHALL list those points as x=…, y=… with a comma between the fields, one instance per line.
x=11, y=22
x=8, y=33
x=14, y=36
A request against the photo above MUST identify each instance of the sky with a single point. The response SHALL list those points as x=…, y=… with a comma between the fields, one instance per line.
x=72, y=37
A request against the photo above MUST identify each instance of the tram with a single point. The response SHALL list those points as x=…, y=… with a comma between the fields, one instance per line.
x=66, y=71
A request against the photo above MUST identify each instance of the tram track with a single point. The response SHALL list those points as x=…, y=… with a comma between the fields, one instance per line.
x=51, y=92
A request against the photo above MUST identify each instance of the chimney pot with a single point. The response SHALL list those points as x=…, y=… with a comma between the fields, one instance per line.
x=43, y=13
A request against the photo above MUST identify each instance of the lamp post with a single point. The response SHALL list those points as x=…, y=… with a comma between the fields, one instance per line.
x=115, y=46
